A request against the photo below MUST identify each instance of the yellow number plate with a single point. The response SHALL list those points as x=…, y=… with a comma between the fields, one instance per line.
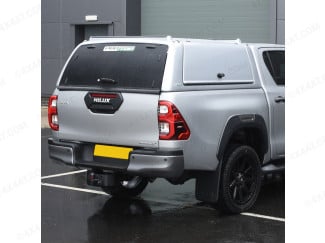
x=112, y=151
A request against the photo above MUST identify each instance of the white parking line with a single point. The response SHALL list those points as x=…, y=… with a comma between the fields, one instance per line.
x=250, y=214
x=63, y=174
x=75, y=188
x=263, y=216
x=167, y=202
x=103, y=193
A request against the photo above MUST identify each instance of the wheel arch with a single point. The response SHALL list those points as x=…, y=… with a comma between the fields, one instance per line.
x=247, y=129
x=208, y=182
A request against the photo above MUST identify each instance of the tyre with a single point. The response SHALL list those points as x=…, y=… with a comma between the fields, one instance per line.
x=240, y=180
x=128, y=188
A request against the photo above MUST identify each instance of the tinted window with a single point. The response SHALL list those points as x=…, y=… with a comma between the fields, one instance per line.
x=274, y=60
x=129, y=65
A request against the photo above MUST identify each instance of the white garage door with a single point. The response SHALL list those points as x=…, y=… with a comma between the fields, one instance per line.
x=249, y=20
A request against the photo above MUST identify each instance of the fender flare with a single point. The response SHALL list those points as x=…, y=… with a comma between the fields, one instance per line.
x=238, y=122
x=208, y=182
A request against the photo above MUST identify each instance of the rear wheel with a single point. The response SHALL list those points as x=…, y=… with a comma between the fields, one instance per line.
x=240, y=179
x=129, y=187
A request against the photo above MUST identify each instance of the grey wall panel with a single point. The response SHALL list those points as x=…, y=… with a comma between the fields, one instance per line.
x=50, y=71
x=280, y=22
x=133, y=17
x=58, y=30
x=248, y=20
x=50, y=35
x=280, y=32
x=272, y=21
x=280, y=9
x=67, y=40
x=50, y=10
x=75, y=10
x=56, y=48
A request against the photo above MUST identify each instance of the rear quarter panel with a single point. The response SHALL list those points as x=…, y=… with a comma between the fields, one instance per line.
x=206, y=114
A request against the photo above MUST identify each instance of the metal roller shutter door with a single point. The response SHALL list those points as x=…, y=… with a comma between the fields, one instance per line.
x=249, y=20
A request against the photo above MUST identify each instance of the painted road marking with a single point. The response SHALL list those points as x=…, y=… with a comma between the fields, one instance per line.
x=103, y=193
x=75, y=189
x=164, y=201
x=252, y=215
x=63, y=174
x=263, y=216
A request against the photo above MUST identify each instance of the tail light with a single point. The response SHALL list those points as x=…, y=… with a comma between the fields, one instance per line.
x=53, y=113
x=172, y=125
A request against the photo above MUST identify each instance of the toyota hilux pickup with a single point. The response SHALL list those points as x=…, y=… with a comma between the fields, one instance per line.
x=133, y=109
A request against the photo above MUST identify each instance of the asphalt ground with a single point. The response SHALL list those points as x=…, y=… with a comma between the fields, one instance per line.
x=75, y=212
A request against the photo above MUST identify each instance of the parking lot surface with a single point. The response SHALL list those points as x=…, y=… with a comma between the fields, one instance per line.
x=75, y=212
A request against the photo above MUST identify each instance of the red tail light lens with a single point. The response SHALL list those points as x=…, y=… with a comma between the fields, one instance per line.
x=53, y=113
x=172, y=125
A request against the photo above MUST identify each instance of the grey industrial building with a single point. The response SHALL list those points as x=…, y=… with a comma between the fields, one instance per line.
x=66, y=23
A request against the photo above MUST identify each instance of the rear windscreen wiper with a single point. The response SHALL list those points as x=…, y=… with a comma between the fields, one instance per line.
x=106, y=80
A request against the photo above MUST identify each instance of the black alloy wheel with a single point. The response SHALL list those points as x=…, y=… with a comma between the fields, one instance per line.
x=240, y=179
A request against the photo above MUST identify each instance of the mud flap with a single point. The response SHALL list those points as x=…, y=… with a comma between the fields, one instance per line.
x=207, y=186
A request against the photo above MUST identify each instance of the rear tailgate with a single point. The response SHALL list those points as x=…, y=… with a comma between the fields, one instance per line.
x=109, y=94
x=135, y=123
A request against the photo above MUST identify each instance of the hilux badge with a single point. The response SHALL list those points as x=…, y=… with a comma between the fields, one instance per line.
x=101, y=100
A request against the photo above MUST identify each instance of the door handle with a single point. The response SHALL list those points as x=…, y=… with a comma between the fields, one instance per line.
x=279, y=99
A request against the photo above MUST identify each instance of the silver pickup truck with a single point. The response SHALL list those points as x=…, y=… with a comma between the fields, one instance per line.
x=133, y=109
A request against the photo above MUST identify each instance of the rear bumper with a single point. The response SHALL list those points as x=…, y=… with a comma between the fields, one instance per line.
x=148, y=163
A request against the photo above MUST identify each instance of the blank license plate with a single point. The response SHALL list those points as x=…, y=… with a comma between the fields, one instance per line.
x=112, y=151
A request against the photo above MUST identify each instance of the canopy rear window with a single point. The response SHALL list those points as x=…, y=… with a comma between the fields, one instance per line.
x=117, y=65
